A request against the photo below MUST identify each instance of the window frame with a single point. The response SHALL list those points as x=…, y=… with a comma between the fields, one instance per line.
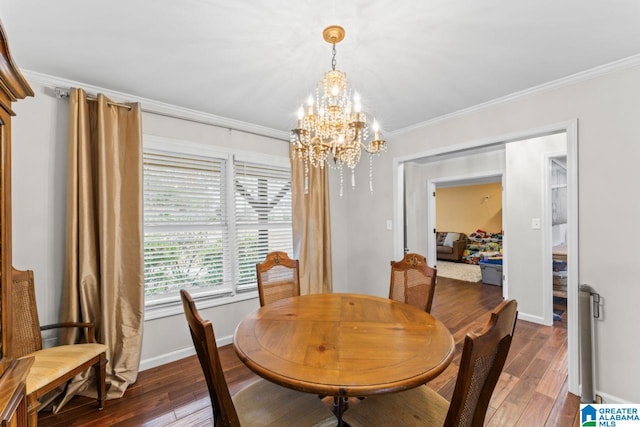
x=171, y=304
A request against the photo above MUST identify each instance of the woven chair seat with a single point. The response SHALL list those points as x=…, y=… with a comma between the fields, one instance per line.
x=55, y=362
x=263, y=403
x=420, y=406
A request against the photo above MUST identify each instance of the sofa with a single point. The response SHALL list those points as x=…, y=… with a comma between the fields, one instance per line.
x=450, y=246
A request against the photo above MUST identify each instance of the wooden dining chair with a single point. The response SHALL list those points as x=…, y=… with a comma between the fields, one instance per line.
x=413, y=281
x=52, y=366
x=483, y=357
x=278, y=277
x=261, y=403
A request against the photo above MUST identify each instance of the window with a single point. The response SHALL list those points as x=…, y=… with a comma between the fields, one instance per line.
x=263, y=216
x=209, y=216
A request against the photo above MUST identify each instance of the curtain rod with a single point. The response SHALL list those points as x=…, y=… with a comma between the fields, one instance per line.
x=64, y=93
x=61, y=92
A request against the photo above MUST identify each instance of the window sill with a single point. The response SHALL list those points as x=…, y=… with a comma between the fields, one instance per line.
x=173, y=306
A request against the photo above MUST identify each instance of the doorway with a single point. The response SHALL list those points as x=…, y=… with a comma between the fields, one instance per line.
x=471, y=208
x=527, y=221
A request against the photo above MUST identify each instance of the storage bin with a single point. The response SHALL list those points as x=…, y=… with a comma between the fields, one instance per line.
x=491, y=273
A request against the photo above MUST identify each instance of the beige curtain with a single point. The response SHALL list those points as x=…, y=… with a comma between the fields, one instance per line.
x=104, y=273
x=311, y=227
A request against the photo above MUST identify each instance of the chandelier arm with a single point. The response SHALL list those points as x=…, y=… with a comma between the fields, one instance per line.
x=370, y=151
x=317, y=141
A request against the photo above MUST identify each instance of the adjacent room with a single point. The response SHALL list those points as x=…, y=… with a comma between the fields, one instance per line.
x=307, y=214
x=474, y=212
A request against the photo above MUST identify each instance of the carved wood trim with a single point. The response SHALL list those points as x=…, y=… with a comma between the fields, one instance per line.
x=12, y=82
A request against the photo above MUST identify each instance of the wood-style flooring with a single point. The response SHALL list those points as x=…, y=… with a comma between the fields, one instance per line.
x=532, y=390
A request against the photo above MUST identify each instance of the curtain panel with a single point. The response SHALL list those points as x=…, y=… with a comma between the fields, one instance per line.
x=104, y=281
x=311, y=227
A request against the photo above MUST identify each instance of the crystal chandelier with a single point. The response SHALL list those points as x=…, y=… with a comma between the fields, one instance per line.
x=332, y=125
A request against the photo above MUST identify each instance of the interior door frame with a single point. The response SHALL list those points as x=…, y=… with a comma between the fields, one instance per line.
x=570, y=128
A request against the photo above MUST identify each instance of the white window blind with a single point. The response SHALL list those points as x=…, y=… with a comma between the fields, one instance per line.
x=185, y=224
x=208, y=220
x=262, y=217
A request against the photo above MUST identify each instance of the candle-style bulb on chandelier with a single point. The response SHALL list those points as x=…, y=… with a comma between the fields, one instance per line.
x=332, y=128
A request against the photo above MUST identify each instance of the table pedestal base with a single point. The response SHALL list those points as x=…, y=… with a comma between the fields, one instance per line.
x=340, y=404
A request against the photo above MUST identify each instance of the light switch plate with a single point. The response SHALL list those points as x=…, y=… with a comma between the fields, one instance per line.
x=535, y=223
x=389, y=224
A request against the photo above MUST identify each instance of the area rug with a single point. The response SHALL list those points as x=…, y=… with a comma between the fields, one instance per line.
x=460, y=271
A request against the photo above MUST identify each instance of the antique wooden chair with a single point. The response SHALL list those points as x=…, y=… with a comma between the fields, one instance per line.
x=52, y=366
x=413, y=281
x=483, y=357
x=261, y=403
x=278, y=277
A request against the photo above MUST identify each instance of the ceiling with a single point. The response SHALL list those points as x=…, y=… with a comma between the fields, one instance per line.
x=257, y=61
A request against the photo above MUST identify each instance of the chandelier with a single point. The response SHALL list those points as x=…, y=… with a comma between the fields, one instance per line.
x=332, y=128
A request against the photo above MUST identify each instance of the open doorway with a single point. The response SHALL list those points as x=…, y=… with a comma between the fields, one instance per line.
x=468, y=224
x=523, y=224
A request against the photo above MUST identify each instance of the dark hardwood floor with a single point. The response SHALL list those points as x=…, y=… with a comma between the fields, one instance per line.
x=532, y=390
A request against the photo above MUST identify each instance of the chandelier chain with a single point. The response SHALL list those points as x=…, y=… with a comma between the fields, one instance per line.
x=333, y=58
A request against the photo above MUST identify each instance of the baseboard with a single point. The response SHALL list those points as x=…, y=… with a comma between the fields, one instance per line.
x=531, y=318
x=609, y=399
x=163, y=359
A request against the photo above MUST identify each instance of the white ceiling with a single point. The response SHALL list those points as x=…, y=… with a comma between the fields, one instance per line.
x=257, y=61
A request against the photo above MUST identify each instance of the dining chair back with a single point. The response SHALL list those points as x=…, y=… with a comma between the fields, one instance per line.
x=413, y=281
x=261, y=403
x=278, y=277
x=204, y=341
x=53, y=366
x=483, y=356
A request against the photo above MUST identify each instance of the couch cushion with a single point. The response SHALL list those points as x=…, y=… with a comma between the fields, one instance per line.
x=444, y=249
x=51, y=363
x=451, y=237
x=440, y=236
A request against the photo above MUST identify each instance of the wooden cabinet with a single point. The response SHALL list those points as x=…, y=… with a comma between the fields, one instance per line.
x=13, y=402
x=13, y=87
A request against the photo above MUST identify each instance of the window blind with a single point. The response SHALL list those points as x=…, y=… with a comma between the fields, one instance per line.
x=185, y=223
x=262, y=217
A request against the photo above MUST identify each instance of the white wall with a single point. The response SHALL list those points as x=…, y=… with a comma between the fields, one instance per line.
x=606, y=107
x=40, y=133
x=39, y=143
x=525, y=200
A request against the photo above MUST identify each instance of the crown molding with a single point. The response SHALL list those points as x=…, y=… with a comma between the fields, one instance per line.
x=169, y=110
x=602, y=70
x=160, y=108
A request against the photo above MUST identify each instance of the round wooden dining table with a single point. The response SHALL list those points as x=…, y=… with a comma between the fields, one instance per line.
x=343, y=345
